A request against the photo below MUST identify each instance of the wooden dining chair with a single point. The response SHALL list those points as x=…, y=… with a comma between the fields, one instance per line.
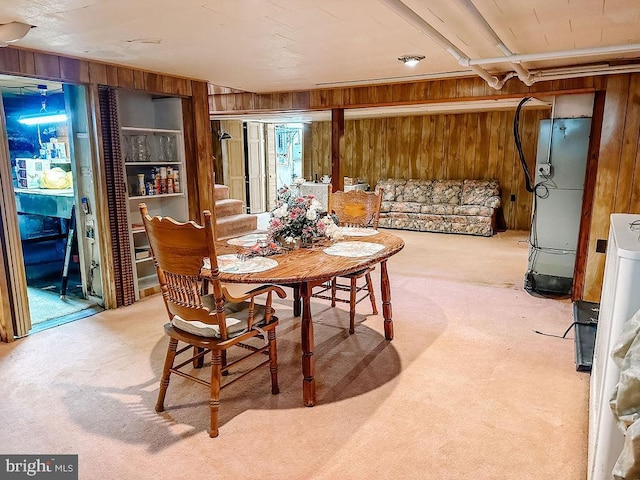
x=355, y=208
x=206, y=322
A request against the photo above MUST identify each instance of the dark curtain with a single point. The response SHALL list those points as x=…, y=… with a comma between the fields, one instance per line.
x=116, y=197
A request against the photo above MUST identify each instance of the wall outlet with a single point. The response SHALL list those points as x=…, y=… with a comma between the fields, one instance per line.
x=544, y=169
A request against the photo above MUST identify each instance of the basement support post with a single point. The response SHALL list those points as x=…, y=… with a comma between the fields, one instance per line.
x=337, y=148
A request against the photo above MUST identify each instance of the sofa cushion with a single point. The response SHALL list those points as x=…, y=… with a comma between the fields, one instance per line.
x=438, y=209
x=418, y=191
x=481, y=192
x=388, y=187
x=471, y=224
x=400, y=190
x=406, y=207
x=477, y=210
x=386, y=206
x=446, y=191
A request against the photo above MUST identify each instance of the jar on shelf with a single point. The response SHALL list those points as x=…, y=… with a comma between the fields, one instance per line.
x=167, y=148
x=141, y=185
x=138, y=147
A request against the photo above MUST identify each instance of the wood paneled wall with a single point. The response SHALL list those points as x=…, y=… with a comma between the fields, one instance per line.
x=24, y=62
x=424, y=91
x=618, y=178
x=49, y=66
x=617, y=183
x=453, y=146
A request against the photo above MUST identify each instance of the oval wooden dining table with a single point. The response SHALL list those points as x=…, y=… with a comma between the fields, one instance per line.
x=305, y=268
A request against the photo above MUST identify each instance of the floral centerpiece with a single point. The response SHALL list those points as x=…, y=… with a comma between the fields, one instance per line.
x=300, y=217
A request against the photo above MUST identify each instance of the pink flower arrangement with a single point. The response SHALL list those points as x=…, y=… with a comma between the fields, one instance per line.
x=300, y=217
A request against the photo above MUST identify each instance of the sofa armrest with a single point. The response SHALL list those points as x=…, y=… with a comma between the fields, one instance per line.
x=493, y=201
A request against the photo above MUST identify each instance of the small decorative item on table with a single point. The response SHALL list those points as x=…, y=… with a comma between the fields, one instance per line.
x=300, y=220
x=262, y=248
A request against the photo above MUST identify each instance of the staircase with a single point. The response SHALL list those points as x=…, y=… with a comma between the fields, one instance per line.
x=231, y=221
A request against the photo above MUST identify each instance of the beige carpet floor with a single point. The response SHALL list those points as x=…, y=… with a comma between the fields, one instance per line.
x=466, y=390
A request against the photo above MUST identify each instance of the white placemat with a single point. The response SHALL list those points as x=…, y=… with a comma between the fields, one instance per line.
x=248, y=240
x=353, y=249
x=358, y=231
x=230, y=263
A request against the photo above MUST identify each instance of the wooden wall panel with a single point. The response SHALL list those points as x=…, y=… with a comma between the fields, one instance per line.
x=98, y=73
x=10, y=59
x=469, y=145
x=616, y=163
x=125, y=78
x=19, y=61
x=409, y=93
x=629, y=148
x=112, y=75
x=76, y=71
x=27, y=62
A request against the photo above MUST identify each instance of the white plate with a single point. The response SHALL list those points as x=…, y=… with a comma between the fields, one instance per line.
x=248, y=240
x=353, y=249
x=358, y=231
x=230, y=263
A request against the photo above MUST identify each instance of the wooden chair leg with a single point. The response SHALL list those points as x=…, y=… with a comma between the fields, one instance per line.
x=166, y=373
x=372, y=295
x=214, y=401
x=273, y=362
x=352, y=305
x=334, y=283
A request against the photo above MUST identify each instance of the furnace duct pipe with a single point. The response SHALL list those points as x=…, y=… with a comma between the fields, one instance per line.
x=523, y=74
x=514, y=60
x=426, y=29
x=532, y=57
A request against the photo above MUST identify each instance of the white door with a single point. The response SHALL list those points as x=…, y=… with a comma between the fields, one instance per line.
x=256, y=167
x=233, y=159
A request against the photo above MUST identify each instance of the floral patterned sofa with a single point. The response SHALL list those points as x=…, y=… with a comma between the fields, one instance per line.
x=445, y=206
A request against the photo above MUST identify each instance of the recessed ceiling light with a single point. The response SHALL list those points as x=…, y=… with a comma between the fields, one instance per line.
x=411, y=60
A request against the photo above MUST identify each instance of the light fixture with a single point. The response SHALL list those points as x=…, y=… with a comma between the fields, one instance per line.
x=43, y=116
x=224, y=135
x=411, y=60
x=40, y=118
x=12, y=32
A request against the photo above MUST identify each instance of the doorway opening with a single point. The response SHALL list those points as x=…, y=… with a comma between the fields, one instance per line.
x=288, y=138
x=44, y=176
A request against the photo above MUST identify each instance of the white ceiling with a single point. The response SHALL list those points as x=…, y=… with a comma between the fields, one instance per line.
x=276, y=45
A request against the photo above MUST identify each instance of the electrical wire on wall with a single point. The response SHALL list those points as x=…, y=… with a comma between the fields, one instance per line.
x=516, y=136
x=540, y=190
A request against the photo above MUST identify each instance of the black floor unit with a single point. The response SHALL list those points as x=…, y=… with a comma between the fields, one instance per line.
x=585, y=317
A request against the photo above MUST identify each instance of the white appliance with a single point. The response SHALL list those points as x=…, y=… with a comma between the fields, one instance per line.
x=561, y=162
x=619, y=302
x=320, y=190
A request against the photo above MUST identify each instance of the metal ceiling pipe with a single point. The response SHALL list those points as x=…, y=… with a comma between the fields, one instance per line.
x=523, y=74
x=586, y=71
x=558, y=55
x=426, y=29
